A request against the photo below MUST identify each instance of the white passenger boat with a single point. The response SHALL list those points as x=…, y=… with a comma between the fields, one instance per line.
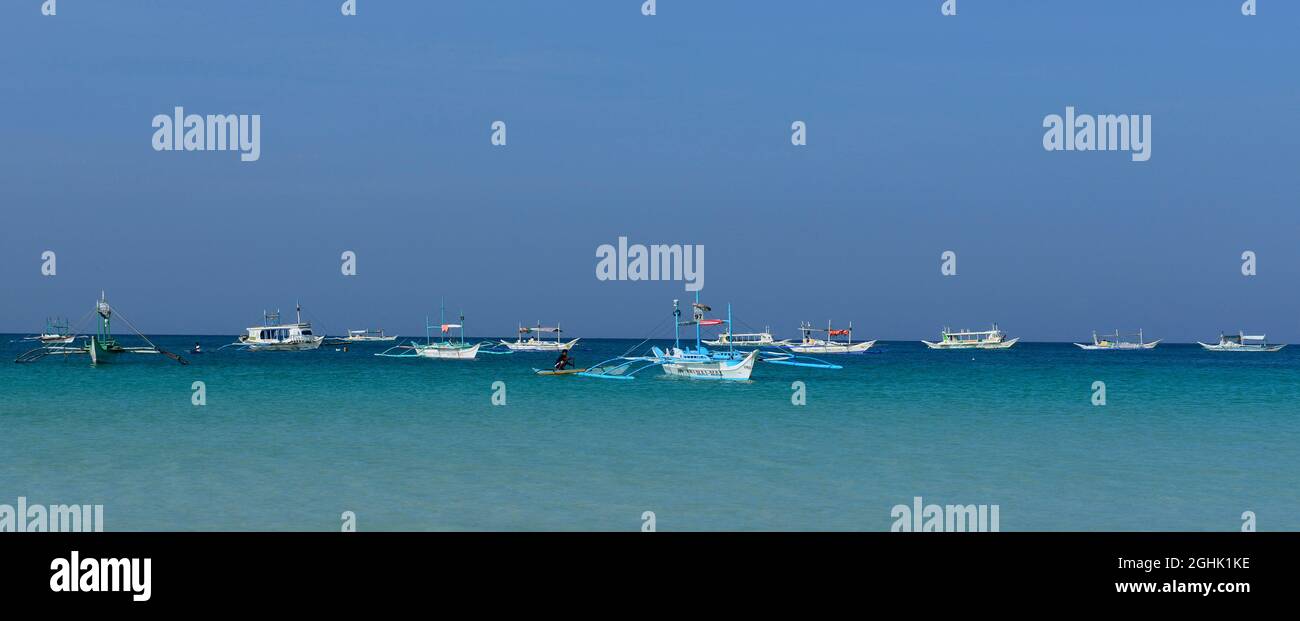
x=747, y=339
x=1241, y=342
x=972, y=339
x=275, y=336
x=367, y=336
x=1117, y=342
x=809, y=344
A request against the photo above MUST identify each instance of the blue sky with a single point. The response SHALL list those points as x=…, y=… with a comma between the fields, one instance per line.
x=924, y=135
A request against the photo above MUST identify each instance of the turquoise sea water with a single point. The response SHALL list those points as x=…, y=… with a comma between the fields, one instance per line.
x=288, y=441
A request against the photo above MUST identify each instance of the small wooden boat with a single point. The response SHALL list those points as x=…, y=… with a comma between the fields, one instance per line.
x=554, y=372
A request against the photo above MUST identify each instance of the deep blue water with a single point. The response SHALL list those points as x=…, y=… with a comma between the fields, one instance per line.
x=1188, y=440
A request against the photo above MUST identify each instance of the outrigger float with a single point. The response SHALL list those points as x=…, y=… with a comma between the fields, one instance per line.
x=102, y=347
x=698, y=362
x=448, y=348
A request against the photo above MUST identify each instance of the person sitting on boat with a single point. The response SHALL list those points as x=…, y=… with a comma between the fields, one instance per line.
x=563, y=361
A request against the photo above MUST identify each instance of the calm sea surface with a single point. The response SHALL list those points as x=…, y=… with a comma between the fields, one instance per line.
x=1188, y=440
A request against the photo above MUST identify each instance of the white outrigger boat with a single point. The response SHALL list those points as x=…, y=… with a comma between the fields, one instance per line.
x=1117, y=342
x=448, y=348
x=102, y=347
x=56, y=332
x=367, y=336
x=811, y=345
x=275, y=336
x=697, y=362
x=970, y=339
x=747, y=339
x=535, y=342
x=1241, y=342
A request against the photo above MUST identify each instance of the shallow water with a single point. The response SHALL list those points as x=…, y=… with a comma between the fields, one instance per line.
x=1188, y=440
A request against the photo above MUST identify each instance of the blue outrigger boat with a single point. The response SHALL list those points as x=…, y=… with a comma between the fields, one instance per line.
x=699, y=362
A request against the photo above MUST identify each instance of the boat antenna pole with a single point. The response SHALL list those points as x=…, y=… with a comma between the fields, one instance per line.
x=677, y=325
x=731, y=346
x=697, y=321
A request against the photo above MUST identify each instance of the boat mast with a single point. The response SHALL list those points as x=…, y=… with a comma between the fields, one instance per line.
x=697, y=315
x=731, y=345
x=677, y=325
x=105, y=312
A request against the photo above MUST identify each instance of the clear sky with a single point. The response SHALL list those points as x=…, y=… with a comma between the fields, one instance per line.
x=924, y=135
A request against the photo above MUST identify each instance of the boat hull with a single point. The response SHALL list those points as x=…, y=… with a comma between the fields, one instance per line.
x=979, y=345
x=527, y=346
x=101, y=352
x=1128, y=347
x=765, y=341
x=304, y=344
x=440, y=351
x=734, y=370
x=47, y=339
x=833, y=348
x=1240, y=348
